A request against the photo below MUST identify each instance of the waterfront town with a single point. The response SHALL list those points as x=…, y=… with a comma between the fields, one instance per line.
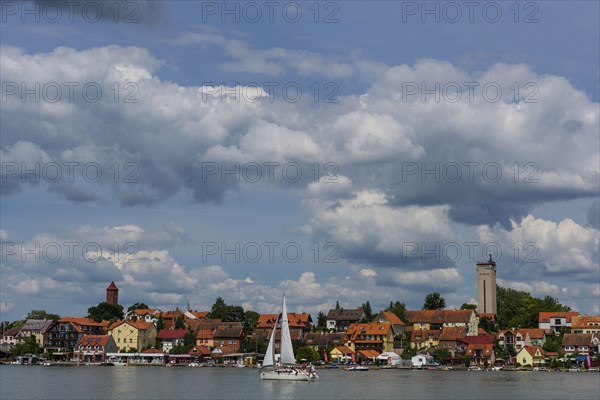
x=473, y=337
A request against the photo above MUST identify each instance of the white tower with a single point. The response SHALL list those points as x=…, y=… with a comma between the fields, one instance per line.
x=486, y=287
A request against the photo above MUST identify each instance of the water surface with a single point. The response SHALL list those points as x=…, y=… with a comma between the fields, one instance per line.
x=91, y=383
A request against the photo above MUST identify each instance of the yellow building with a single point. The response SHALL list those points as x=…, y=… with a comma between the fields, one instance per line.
x=425, y=339
x=370, y=336
x=129, y=334
x=585, y=324
x=531, y=355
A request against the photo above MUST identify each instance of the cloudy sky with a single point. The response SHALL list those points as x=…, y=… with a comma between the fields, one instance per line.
x=345, y=151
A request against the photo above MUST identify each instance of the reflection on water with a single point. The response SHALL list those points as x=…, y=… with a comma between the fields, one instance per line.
x=87, y=383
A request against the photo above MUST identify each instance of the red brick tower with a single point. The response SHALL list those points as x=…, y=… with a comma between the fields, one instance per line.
x=112, y=294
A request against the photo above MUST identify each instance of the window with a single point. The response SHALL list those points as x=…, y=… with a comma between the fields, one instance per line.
x=557, y=321
x=130, y=340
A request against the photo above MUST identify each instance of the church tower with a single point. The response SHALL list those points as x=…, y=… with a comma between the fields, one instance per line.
x=486, y=287
x=112, y=294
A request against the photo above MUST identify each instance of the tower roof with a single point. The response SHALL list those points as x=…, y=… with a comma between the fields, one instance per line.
x=112, y=286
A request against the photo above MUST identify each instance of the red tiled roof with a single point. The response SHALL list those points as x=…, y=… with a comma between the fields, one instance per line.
x=532, y=350
x=582, y=322
x=369, y=353
x=438, y=316
x=200, y=314
x=152, y=351
x=199, y=350
x=533, y=333
x=392, y=318
x=172, y=333
x=144, y=311
x=490, y=316
x=344, y=350
x=205, y=334
x=545, y=316
x=93, y=340
x=356, y=330
x=112, y=286
x=78, y=322
x=483, y=339
x=487, y=349
x=140, y=325
x=295, y=320
x=577, y=339
x=452, y=333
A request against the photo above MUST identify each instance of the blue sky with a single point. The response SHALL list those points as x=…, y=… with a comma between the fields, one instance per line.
x=391, y=227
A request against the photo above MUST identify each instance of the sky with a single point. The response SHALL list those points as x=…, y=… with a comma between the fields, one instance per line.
x=332, y=151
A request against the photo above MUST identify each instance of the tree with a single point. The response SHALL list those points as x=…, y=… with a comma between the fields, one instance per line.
x=42, y=314
x=467, y=306
x=441, y=354
x=307, y=353
x=518, y=309
x=160, y=322
x=28, y=346
x=368, y=312
x=399, y=309
x=250, y=321
x=137, y=306
x=322, y=321
x=179, y=323
x=409, y=353
x=434, y=301
x=106, y=312
x=226, y=313
x=487, y=325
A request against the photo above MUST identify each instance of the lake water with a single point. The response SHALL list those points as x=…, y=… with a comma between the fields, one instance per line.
x=86, y=383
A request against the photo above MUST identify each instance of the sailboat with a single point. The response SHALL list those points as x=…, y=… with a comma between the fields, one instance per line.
x=285, y=368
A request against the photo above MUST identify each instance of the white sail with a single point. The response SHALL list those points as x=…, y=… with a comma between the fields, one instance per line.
x=269, y=360
x=287, y=352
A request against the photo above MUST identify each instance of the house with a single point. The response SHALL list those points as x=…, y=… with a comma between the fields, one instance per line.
x=480, y=353
x=463, y=344
x=171, y=338
x=586, y=324
x=62, y=335
x=519, y=338
x=421, y=359
x=205, y=337
x=138, y=335
x=339, y=319
x=325, y=339
x=555, y=321
x=170, y=318
x=449, y=338
x=199, y=353
x=531, y=355
x=9, y=337
x=370, y=336
x=299, y=324
x=35, y=328
x=143, y=314
x=367, y=355
x=228, y=336
x=438, y=319
x=389, y=317
x=93, y=348
x=425, y=339
x=389, y=358
x=583, y=343
x=340, y=354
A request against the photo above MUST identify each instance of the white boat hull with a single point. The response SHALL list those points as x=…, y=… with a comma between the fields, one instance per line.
x=284, y=376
